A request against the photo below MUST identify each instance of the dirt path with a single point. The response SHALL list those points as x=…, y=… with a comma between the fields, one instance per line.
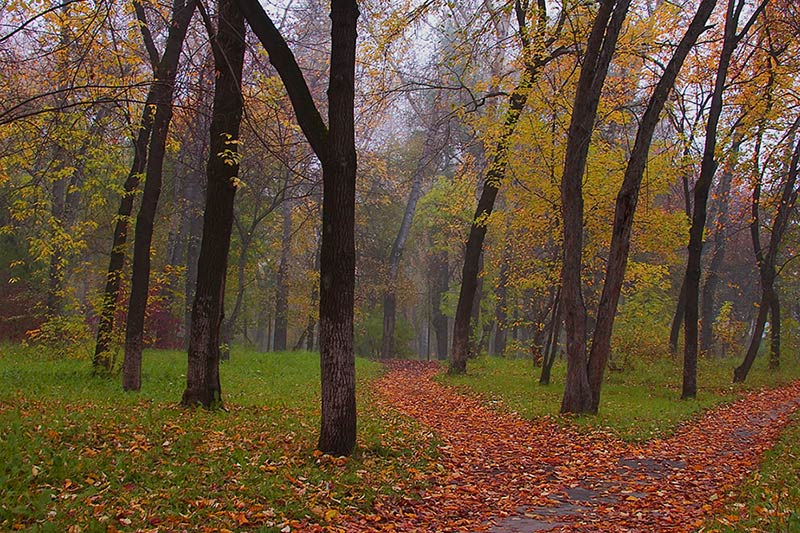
x=502, y=474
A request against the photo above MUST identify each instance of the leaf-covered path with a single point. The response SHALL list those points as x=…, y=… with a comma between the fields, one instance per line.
x=503, y=474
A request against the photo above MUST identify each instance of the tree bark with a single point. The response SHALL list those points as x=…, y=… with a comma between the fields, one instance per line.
x=477, y=233
x=337, y=258
x=202, y=375
x=160, y=93
x=626, y=202
x=597, y=58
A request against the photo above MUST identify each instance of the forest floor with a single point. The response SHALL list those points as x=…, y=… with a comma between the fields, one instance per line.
x=500, y=473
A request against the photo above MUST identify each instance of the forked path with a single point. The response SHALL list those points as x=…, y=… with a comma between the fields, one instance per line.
x=503, y=474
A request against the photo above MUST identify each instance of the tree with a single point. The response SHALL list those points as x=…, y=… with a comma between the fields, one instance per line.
x=702, y=187
x=535, y=44
x=585, y=374
x=424, y=164
x=334, y=145
x=160, y=94
x=766, y=262
x=202, y=376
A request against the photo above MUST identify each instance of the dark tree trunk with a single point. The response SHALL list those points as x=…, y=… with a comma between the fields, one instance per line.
x=472, y=253
x=102, y=359
x=161, y=92
x=337, y=259
x=390, y=295
x=202, y=375
x=677, y=319
x=165, y=67
x=440, y=280
x=627, y=199
x=336, y=150
x=596, y=60
x=282, y=282
x=702, y=187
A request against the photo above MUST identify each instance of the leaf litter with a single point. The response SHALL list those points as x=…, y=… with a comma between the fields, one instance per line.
x=500, y=473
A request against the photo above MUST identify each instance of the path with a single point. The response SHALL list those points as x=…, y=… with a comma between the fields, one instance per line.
x=502, y=474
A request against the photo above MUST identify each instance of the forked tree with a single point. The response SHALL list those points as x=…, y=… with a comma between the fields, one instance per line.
x=334, y=145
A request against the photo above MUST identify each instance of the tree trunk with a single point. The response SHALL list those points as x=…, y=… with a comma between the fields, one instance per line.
x=440, y=280
x=708, y=309
x=626, y=202
x=102, y=359
x=336, y=150
x=202, y=375
x=551, y=349
x=472, y=253
x=390, y=295
x=702, y=187
x=501, y=314
x=766, y=264
x=162, y=91
x=282, y=282
x=337, y=259
x=775, y=332
x=597, y=58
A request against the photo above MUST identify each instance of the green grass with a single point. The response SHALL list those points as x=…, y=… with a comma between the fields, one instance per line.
x=769, y=500
x=637, y=404
x=76, y=450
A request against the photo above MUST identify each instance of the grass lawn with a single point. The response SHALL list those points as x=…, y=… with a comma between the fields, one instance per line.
x=769, y=500
x=76, y=450
x=637, y=404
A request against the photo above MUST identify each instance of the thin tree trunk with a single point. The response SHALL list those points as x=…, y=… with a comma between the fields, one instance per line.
x=390, y=294
x=282, y=282
x=202, y=375
x=496, y=173
x=702, y=187
x=775, y=332
x=440, y=280
x=551, y=349
x=160, y=92
x=766, y=263
x=708, y=309
x=477, y=234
